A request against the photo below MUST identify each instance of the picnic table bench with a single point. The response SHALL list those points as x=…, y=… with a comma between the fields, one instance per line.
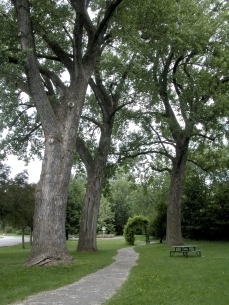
x=185, y=250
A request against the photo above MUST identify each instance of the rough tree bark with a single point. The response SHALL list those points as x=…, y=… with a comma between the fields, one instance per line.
x=89, y=216
x=59, y=122
x=181, y=141
x=173, y=230
x=95, y=166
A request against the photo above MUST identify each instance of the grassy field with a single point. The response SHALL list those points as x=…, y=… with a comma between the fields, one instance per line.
x=163, y=280
x=17, y=281
x=157, y=279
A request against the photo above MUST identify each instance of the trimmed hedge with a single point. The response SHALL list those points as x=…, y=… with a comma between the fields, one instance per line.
x=134, y=223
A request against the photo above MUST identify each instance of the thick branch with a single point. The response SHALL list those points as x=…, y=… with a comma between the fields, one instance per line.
x=109, y=12
x=35, y=83
x=60, y=53
x=173, y=123
x=145, y=153
x=102, y=97
x=54, y=78
x=84, y=154
x=177, y=86
x=159, y=138
x=122, y=106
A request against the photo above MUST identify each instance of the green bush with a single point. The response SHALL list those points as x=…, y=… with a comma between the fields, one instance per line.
x=26, y=231
x=133, y=224
x=9, y=230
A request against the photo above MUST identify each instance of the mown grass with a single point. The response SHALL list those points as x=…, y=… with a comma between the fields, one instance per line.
x=163, y=280
x=18, y=281
x=157, y=279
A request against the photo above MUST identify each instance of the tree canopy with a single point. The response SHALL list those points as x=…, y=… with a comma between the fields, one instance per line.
x=166, y=60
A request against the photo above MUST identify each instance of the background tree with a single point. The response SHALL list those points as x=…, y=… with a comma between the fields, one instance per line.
x=106, y=217
x=21, y=204
x=182, y=83
x=76, y=193
x=120, y=199
x=205, y=206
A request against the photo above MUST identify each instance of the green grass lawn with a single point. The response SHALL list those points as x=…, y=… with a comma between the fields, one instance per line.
x=157, y=279
x=17, y=281
x=163, y=280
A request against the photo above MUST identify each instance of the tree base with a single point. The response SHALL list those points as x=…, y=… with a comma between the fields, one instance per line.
x=48, y=260
x=86, y=248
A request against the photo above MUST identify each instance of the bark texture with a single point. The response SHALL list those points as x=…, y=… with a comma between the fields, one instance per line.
x=173, y=231
x=60, y=119
x=89, y=218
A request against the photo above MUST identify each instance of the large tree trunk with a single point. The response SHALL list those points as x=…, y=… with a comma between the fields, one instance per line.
x=49, y=239
x=89, y=216
x=173, y=230
x=96, y=166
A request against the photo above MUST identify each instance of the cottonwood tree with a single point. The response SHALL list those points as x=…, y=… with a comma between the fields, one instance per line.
x=94, y=146
x=183, y=83
x=41, y=40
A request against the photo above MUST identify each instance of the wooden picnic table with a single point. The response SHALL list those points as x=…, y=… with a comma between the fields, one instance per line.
x=185, y=250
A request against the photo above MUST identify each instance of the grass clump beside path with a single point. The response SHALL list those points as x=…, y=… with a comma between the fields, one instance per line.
x=163, y=280
x=18, y=282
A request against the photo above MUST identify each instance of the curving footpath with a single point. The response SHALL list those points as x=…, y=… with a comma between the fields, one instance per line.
x=92, y=289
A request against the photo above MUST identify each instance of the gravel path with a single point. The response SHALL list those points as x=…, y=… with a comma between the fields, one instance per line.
x=93, y=289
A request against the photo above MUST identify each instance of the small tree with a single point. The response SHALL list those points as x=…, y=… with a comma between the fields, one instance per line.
x=121, y=204
x=137, y=222
x=106, y=216
x=21, y=203
x=76, y=194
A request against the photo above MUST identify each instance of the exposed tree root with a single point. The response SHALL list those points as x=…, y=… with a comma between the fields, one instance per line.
x=48, y=260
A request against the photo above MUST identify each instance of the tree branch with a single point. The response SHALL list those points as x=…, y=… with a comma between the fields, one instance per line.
x=84, y=154
x=145, y=153
x=31, y=132
x=60, y=53
x=159, y=137
x=54, y=78
x=109, y=12
x=177, y=86
x=20, y=114
x=204, y=136
x=92, y=120
x=36, y=87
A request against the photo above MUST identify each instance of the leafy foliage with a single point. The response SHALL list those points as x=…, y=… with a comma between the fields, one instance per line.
x=120, y=199
x=158, y=224
x=76, y=194
x=205, y=207
x=106, y=216
x=137, y=222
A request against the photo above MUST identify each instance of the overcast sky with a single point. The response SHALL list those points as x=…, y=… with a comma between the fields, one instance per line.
x=17, y=166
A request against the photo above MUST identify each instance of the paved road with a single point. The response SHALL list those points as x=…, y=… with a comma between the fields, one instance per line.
x=6, y=240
